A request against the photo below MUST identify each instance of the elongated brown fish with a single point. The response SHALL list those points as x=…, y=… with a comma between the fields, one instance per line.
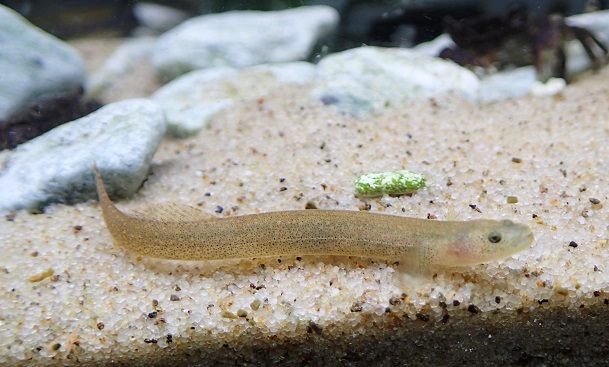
x=181, y=232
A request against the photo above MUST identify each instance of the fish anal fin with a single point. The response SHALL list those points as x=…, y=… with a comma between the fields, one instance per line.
x=171, y=212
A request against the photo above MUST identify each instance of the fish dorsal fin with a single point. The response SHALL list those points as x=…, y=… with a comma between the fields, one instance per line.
x=171, y=212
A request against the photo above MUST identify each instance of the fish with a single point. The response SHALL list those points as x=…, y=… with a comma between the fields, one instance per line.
x=180, y=232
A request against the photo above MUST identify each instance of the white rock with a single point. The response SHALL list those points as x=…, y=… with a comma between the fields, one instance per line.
x=242, y=38
x=516, y=83
x=507, y=84
x=57, y=167
x=190, y=100
x=368, y=80
x=33, y=63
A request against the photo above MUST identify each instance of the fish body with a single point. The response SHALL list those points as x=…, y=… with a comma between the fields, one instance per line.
x=181, y=232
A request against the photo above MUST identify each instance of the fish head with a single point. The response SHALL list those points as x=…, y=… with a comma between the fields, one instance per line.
x=481, y=241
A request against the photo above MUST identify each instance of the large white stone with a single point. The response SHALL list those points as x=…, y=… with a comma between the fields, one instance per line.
x=33, y=63
x=242, y=38
x=369, y=80
x=57, y=167
x=192, y=99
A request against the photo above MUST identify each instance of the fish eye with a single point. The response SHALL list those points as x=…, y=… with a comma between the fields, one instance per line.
x=494, y=237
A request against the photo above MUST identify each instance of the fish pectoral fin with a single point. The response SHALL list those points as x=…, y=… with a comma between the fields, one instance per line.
x=452, y=214
x=171, y=212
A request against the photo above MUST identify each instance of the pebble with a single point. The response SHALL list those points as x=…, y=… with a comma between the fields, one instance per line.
x=242, y=38
x=41, y=276
x=550, y=88
x=57, y=167
x=33, y=64
x=192, y=99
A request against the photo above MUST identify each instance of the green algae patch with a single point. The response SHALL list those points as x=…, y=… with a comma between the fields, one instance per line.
x=391, y=183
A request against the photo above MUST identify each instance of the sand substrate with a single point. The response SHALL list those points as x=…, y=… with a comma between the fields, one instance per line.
x=545, y=305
